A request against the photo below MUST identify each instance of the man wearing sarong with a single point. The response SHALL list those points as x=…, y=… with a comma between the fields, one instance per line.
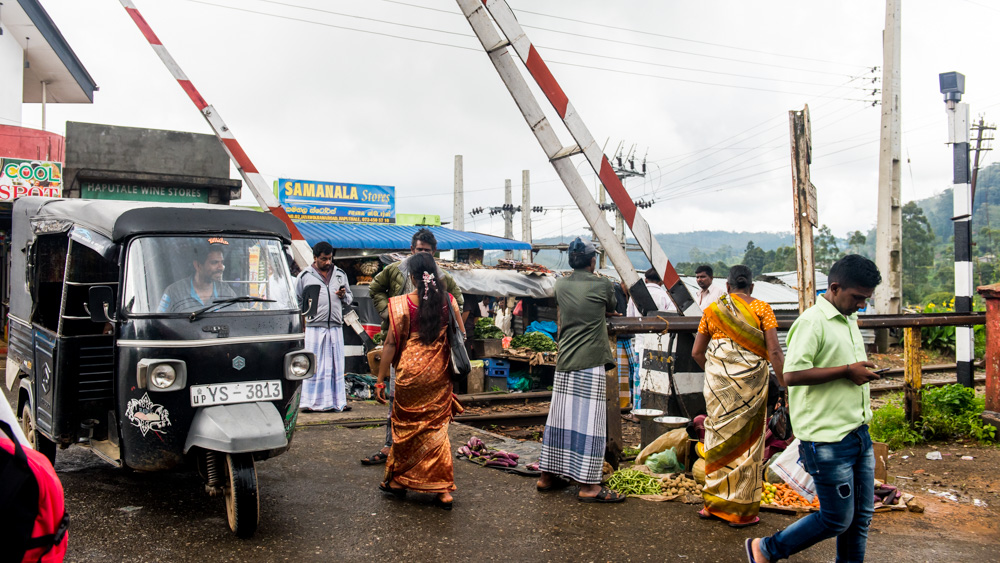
x=736, y=337
x=420, y=457
x=576, y=428
x=830, y=406
x=325, y=391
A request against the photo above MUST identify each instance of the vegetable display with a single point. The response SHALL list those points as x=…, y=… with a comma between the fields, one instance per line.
x=479, y=452
x=783, y=495
x=680, y=485
x=633, y=482
x=485, y=329
x=537, y=341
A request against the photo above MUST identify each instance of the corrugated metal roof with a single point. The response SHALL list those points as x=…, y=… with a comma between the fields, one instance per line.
x=398, y=237
x=792, y=280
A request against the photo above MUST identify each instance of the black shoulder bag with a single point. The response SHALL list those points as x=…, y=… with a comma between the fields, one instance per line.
x=460, y=363
x=780, y=423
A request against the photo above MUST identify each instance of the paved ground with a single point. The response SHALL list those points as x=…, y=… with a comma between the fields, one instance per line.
x=319, y=504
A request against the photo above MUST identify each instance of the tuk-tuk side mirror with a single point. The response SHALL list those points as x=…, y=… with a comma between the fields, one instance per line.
x=310, y=301
x=102, y=304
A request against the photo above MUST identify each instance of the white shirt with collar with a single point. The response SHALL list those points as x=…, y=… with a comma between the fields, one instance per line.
x=660, y=297
x=706, y=297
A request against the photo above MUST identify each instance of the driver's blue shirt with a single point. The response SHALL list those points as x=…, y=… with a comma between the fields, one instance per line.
x=181, y=297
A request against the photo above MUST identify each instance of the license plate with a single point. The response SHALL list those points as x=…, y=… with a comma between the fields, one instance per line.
x=229, y=393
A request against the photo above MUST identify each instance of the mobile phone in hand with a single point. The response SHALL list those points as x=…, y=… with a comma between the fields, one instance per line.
x=880, y=371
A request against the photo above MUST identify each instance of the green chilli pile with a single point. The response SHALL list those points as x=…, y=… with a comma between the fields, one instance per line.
x=633, y=482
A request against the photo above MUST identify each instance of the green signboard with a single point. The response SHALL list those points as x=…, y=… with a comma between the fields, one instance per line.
x=137, y=192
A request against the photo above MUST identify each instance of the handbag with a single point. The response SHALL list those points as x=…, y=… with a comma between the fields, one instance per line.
x=460, y=363
x=780, y=423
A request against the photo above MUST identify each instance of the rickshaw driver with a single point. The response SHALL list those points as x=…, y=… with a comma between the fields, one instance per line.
x=203, y=287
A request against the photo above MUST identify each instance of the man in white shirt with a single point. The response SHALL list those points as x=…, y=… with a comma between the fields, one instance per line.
x=655, y=286
x=708, y=293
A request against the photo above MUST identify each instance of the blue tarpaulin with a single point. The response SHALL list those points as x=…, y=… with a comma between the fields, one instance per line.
x=398, y=237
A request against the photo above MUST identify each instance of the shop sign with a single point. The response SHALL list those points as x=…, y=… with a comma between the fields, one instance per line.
x=139, y=192
x=20, y=177
x=306, y=200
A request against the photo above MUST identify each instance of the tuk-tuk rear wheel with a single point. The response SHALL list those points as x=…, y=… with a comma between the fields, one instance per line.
x=242, y=500
x=36, y=440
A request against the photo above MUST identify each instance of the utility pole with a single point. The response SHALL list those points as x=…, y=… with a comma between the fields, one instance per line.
x=526, y=214
x=623, y=172
x=889, y=247
x=804, y=198
x=952, y=85
x=602, y=203
x=508, y=217
x=979, y=128
x=458, y=214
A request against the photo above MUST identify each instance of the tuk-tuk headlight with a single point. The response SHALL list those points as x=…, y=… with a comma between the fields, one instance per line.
x=163, y=376
x=299, y=365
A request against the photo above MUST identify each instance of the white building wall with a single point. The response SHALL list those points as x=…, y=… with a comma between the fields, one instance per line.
x=11, y=79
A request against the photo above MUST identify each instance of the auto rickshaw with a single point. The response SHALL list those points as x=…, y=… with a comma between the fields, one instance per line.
x=157, y=336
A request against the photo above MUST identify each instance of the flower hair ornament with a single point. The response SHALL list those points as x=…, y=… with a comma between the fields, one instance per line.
x=429, y=280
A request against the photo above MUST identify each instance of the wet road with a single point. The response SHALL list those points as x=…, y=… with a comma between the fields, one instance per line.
x=319, y=504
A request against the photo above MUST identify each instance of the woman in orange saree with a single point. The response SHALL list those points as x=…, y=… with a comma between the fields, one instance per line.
x=420, y=458
x=736, y=337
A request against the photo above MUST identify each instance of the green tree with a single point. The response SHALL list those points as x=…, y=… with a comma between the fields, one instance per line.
x=754, y=258
x=825, y=249
x=856, y=242
x=917, y=252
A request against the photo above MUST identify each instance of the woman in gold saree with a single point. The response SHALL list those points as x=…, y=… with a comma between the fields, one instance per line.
x=736, y=338
x=420, y=458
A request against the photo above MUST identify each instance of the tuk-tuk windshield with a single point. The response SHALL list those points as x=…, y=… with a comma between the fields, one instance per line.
x=182, y=274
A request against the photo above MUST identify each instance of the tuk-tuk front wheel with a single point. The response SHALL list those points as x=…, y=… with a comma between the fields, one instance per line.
x=36, y=440
x=242, y=500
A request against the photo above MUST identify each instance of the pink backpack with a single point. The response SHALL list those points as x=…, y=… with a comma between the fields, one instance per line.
x=33, y=523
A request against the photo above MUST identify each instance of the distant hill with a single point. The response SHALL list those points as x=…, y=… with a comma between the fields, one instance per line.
x=683, y=247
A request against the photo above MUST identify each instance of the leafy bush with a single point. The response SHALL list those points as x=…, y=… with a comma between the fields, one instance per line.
x=954, y=411
x=942, y=338
x=948, y=412
x=889, y=425
x=379, y=337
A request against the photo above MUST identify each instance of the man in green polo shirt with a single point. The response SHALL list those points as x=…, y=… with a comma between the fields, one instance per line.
x=827, y=373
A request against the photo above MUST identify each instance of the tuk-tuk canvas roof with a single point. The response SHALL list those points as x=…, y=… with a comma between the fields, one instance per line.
x=120, y=219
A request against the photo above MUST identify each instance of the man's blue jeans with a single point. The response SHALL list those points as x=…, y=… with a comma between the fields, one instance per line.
x=844, y=473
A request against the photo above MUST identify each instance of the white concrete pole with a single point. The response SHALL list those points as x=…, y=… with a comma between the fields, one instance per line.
x=888, y=251
x=508, y=216
x=458, y=214
x=526, y=213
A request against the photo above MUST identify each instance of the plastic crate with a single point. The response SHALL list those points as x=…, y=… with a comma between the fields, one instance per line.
x=496, y=368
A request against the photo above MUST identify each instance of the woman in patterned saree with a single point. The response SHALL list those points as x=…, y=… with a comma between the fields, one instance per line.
x=736, y=338
x=417, y=344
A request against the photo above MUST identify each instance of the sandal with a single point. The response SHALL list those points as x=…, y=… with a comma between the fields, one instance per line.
x=705, y=515
x=604, y=495
x=754, y=522
x=377, y=458
x=557, y=484
x=385, y=488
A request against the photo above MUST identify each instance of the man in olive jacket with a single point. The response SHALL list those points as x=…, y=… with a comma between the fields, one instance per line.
x=393, y=281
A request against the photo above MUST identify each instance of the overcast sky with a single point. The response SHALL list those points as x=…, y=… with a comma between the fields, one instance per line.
x=388, y=92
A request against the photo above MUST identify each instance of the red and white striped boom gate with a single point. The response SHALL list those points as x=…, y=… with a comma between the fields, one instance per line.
x=258, y=187
x=482, y=14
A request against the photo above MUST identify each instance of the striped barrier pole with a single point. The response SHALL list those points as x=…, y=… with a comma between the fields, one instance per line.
x=958, y=133
x=258, y=187
x=585, y=143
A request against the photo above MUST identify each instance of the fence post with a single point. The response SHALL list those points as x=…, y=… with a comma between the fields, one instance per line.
x=991, y=293
x=912, y=374
x=615, y=442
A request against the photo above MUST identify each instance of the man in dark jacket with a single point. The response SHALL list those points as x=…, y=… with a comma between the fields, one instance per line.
x=325, y=391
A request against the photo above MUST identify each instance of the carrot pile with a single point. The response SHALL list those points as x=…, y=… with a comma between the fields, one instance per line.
x=782, y=495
